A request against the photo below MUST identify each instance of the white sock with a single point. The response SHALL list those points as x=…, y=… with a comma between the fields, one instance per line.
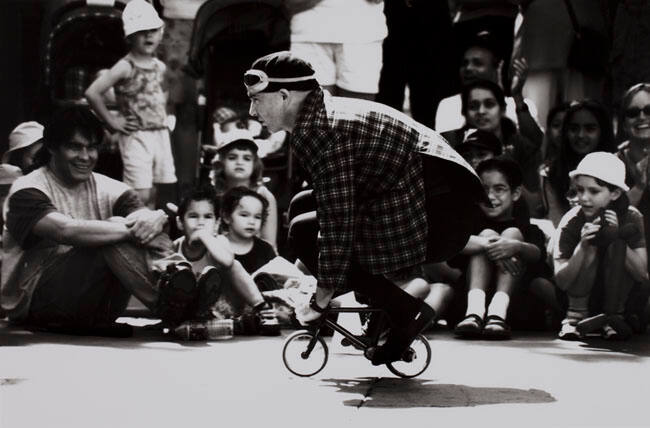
x=476, y=302
x=499, y=304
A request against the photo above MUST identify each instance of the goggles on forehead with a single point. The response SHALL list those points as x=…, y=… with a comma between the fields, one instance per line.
x=257, y=80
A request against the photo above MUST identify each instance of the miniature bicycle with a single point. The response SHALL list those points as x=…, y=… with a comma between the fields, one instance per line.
x=305, y=353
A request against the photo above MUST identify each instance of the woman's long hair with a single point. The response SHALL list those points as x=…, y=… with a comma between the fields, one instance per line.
x=568, y=159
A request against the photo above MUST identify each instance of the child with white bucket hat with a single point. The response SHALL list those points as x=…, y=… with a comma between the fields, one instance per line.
x=137, y=80
x=600, y=254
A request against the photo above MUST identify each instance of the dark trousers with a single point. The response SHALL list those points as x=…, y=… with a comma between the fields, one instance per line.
x=451, y=195
x=419, y=52
x=84, y=287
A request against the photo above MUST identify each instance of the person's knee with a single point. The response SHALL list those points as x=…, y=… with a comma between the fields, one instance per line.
x=488, y=233
x=513, y=233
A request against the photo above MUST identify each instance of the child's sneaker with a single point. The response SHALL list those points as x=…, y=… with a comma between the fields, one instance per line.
x=268, y=321
x=569, y=330
x=176, y=292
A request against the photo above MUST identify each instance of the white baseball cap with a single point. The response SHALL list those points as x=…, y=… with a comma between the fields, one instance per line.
x=139, y=15
x=236, y=135
x=23, y=135
x=603, y=166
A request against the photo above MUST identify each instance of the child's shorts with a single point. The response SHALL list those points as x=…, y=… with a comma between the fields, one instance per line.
x=354, y=67
x=147, y=158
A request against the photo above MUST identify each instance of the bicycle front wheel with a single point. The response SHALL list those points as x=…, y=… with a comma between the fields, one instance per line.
x=415, y=360
x=304, y=354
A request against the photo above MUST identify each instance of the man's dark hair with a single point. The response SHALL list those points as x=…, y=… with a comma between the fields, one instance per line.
x=203, y=193
x=231, y=198
x=63, y=124
x=484, y=40
x=506, y=166
x=67, y=121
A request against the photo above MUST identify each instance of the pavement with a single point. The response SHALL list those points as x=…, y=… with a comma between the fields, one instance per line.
x=51, y=380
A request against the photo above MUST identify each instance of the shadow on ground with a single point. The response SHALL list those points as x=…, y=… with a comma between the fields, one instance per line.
x=410, y=393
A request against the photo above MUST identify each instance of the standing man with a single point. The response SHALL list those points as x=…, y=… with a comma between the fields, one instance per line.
x=390, y=193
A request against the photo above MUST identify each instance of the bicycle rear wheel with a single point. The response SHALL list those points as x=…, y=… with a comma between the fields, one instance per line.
x=415, y=361
x=304, y=354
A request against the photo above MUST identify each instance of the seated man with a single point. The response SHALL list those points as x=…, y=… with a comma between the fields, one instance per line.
x=77, y=244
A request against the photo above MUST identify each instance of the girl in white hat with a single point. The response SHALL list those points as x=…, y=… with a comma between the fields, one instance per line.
x=137, y=80
x=24, y=142
x=600, y=254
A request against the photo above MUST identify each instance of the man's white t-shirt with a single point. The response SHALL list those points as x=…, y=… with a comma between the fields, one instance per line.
x=449, y=116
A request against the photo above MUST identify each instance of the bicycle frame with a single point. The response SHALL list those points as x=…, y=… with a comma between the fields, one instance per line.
x=324, y=321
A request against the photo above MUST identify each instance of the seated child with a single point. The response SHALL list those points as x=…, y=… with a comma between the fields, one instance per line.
x=600, y=254
x=243, y=213
x=504, y=248
x=215, y=259
x=24, y=142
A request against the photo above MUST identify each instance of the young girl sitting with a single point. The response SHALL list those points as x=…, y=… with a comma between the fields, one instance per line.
x=239, y=165
x=214, y=262
x=243, y=213
x=600, y=253
x=502, y=247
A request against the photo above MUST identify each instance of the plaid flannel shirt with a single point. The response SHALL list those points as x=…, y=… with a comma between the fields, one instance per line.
x=364, y=162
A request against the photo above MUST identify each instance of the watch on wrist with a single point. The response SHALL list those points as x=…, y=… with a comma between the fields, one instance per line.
x=314, y=305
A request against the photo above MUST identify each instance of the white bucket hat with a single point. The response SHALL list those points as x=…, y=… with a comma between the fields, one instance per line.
x=138, y=15
x=233, y=136
x=23, y=135
x=603, y=166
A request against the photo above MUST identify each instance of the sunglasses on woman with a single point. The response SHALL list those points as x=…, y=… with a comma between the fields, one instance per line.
x=634, y=112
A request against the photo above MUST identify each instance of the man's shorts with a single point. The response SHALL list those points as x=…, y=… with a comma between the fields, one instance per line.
x=354, y=67
x=147, y=158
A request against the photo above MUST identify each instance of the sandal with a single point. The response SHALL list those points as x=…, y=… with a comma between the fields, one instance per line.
x=469, y=327
x=620, y=326
x=496, y=328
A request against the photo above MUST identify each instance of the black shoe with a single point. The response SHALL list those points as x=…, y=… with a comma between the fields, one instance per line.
x=399, y=339
x=177, y=291
x=209, y=290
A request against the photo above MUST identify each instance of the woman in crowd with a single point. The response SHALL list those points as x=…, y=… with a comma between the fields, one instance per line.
x=484, y=106
x=587, y=128
x=634, y=127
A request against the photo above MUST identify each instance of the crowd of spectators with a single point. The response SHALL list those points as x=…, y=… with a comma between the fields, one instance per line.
x=561, y=149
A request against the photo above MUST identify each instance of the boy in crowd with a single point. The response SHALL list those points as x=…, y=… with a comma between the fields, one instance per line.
x=214, y=261
x=504, y=250
x=600, y=254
